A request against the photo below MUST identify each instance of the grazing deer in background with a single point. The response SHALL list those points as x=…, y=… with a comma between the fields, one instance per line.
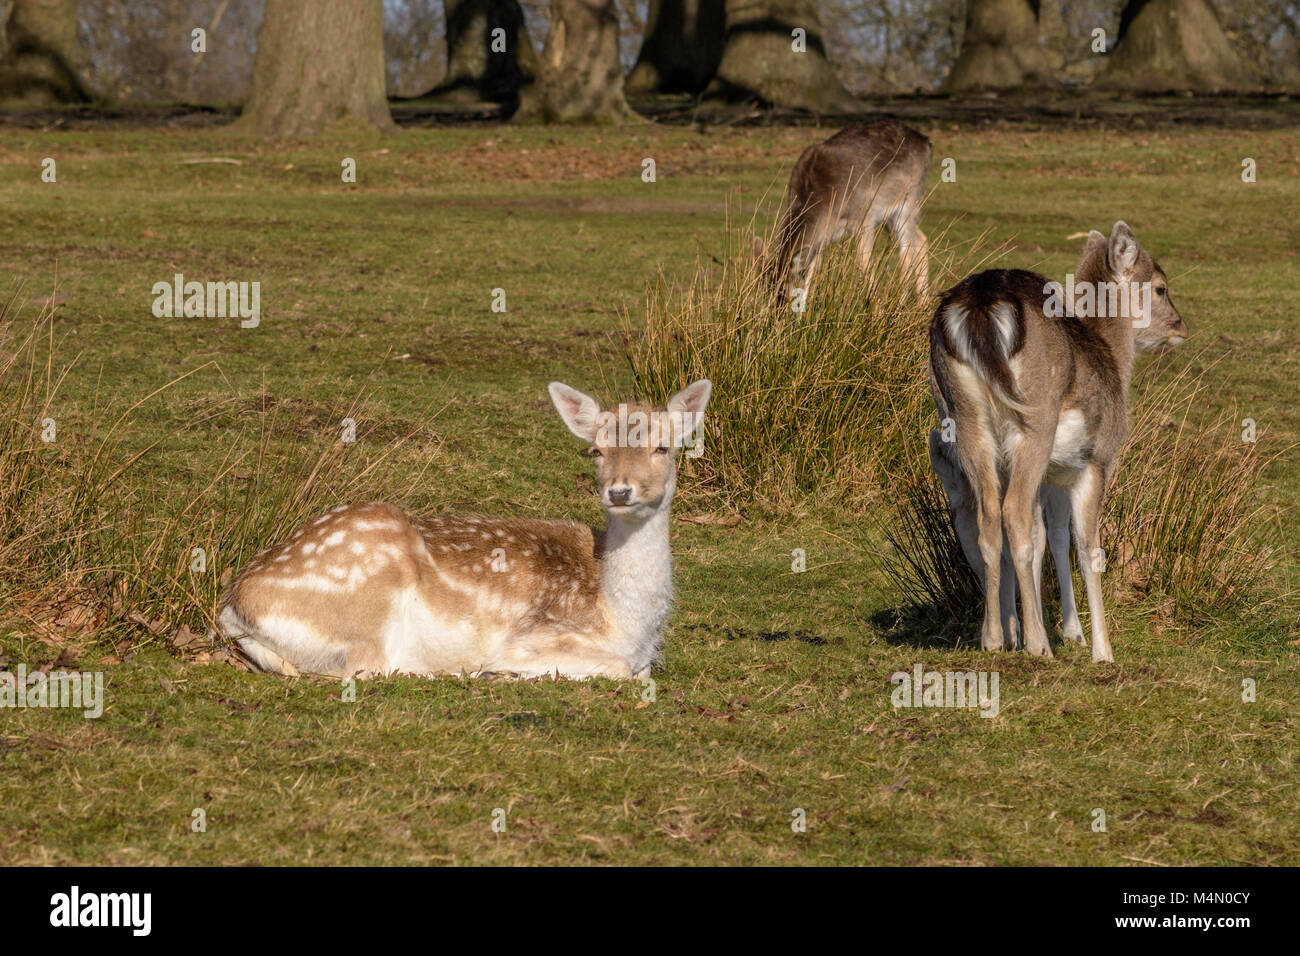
x=370, y=590
x=1040, y=405
x=865, y=176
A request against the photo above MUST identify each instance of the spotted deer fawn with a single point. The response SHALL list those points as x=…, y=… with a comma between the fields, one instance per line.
x=865, y=176
x=370, y=590
x=1036, y=384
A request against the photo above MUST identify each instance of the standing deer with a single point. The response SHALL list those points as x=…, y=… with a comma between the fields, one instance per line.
x=1054, y=502
x=371, y=590
x=1040, y=405
x=865, y=176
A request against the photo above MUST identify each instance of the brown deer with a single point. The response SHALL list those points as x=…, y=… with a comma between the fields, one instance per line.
x=1035, y=379
x=865, y=176
x=371, y=590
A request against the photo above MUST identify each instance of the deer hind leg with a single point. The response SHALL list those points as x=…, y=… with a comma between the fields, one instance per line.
x=1012, y=639
x=265, y=658
x=1039, y=530
x=253, y=645
x=979, y=463
x=813, y=258
x=961, y=501
x=913, y=246
x=1019, y=512
x=283, y=645
x=541, y=655
x=914, y=251
x=866, y=241
x=965, y=521
x=1056, y=505
x=1085, y=508
x=802, y=265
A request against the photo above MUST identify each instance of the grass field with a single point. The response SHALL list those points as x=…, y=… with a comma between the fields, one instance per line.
x=775, y=692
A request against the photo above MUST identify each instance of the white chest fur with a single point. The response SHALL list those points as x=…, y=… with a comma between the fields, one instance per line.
x=638, y=584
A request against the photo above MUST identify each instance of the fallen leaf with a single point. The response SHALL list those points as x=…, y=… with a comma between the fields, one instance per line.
x=184, y=639
x=154, y=626
x=710, y=712
x=220, y=655
x=724, y=521
x=68, y=657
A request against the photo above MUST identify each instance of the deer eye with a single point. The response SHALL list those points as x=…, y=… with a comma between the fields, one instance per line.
x=1161, y=290
x=593, y=452
x=661, y=450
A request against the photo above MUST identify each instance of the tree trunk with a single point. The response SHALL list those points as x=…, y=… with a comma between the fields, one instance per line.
x=759, y=58
x=41, y=61
x=1052, y=35
x=682, y=46
x=475, y=71
x=579, y=78
x=318, y=65
x=1174, y=45
x=1000, y=48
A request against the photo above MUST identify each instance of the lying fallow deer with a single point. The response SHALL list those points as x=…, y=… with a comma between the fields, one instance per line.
x=1040, y=406
x=371, y=590
x=865, y=176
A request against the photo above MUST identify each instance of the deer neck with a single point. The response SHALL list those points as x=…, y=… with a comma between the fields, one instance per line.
x=1117, y=331
x=637, y=579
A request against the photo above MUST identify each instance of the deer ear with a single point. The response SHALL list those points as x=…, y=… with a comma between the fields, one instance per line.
x=1096, y=240
x=688, y=406
x=580, y=411
x=1122, y=249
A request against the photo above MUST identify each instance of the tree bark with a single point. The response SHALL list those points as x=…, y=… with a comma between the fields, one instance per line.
x=474, y=69
x=41, y=60
x=318, y=65
x=1174, y=45
x=1000, y=49
x=579, y=78
x=759, y=58
x=682, y=46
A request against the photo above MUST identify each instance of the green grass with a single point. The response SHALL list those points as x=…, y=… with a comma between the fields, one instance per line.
x=775, y=693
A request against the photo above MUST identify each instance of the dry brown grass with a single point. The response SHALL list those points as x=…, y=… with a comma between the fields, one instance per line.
x=827, y=403
x=94, y=541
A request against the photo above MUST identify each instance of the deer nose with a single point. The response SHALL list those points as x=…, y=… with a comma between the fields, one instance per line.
x=620, y=495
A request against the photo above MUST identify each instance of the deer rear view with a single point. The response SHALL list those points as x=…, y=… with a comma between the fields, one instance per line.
x=865, y=176
x=371, y=590
x=1040, y=407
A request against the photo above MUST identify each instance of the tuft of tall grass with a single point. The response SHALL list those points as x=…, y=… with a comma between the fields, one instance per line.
x=828, y=401
x=94, y=541
x=1186, y=515
x=927, y=567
